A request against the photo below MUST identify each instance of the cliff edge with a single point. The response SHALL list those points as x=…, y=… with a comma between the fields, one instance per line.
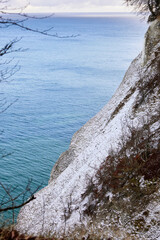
x=101, y=185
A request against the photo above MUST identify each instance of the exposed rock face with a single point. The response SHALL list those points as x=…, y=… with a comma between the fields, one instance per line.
x=152, y=37
x=64, y=160
x=59, y=207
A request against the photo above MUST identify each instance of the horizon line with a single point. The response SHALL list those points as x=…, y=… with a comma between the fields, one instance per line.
x=82, y=13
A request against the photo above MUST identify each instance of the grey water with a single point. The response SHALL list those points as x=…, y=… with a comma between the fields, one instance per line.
x=61, y=84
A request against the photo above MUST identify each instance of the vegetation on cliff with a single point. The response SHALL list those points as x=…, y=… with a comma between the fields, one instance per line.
x=145, y=6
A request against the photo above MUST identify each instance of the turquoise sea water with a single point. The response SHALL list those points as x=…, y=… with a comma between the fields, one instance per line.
x=62, y=83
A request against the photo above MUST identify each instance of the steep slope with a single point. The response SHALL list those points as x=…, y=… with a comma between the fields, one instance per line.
x=61, y=206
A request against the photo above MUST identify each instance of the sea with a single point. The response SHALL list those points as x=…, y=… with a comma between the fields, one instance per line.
x=55, y=84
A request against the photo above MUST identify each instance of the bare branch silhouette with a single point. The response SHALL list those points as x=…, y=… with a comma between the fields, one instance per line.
x=12, y=201
x=145, y=8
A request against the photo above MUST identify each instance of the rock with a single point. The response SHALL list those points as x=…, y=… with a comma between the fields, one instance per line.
x=59, y=208
x=152, y=37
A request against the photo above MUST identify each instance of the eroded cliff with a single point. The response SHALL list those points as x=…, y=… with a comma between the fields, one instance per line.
x=66, y=205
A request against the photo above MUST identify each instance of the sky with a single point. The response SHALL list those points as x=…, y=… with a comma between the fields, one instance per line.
x=72, y=5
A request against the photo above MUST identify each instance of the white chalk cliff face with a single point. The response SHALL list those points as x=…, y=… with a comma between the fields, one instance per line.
x=59, y=207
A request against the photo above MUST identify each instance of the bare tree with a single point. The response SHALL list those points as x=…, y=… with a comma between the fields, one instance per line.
x=9, y=17
x=145, y=7
x=12, y=200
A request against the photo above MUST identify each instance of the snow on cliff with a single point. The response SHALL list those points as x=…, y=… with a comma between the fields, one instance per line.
x=59, y=206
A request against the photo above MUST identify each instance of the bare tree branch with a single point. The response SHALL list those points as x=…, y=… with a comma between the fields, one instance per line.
x=10, y=201
x=145, y=8
x=18, y=206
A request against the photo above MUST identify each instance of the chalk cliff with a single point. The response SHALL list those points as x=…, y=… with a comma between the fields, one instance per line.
x=71, y=202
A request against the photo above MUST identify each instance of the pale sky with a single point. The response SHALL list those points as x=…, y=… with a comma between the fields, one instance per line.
x=72, y=5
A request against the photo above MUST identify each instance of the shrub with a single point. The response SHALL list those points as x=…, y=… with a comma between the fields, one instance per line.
x=122, y=174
